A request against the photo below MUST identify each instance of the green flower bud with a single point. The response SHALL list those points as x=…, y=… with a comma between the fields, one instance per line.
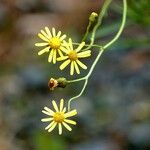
x=55, y=83
x=93, y=16
x=62, y=82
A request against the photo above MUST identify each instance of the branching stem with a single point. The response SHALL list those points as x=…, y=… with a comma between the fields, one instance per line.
x=101, y=48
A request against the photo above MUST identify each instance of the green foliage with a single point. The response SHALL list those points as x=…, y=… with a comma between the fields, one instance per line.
x=138, y=10
x=46, y=142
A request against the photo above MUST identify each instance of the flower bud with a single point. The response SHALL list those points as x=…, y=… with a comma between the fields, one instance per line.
x=62, y=82
x=52, y=84
x=93, y=16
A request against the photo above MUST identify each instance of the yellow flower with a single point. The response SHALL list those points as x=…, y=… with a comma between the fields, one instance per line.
x=73, y=57
x=59, y=117
x=52, y=42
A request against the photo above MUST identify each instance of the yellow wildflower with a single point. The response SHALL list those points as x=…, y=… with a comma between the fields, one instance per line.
x=72, y=57
x=59, y=117
x=52, y=42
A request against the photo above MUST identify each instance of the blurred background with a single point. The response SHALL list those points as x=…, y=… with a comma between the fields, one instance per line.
x=114, y=111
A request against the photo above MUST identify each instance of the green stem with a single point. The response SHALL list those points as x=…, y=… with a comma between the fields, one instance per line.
x=94, y=45
x=100, y=17
x=85, y=78
x=87, y=31
x=76, y=80
x=99, y=54
x=121, y=27
x=84, y=86
x=95, y=62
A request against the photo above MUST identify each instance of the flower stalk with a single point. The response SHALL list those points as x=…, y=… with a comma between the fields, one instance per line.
x=102, y=48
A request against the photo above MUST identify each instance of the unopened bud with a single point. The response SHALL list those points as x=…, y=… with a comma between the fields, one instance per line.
x=52, y=84
x=93, y=16
x=62, y=82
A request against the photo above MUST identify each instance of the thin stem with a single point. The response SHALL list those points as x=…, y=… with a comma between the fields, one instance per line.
x=94, y=45
x=76, y=80
x=100, y=53
x=84, y=86
x=121, y=27
x=95, y=62
x=118, y=33
x=85, y=78
x=91, y=70
x=87, y=31
x=100, y=17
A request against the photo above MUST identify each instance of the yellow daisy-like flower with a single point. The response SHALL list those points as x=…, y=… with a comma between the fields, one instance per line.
x=59, y=117
x=52, y=42
x=72, y=57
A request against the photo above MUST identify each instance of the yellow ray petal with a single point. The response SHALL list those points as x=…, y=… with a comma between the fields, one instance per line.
x=59, y=34
x=55, y=106
x=70, y=121
x=53, y=32
x=48, y=32
x=44, y=34
x=60, y=53
x=76, y=68
x=64, y=110
x=70, y=44
x=62, y=58
x=50, y=56
x=43, y=51
x=46, y=119
x=62, y=37
x=43, y=37
x=66, y=45
x=66, y=51
x=52, y=127
x=80, y=46
x=60, y=128
x=49, y=110
x=81, y=64
x=41, y=44
x=64, y=64
x=72, y=68
x=47, y=113
x=84, y=54
x=61, y=105
x=54, y=57
x=70, y=113
x=67, y=126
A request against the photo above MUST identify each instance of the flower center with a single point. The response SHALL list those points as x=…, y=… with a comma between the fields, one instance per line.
x=55, y=43
x=73, y=55
x=58, y=117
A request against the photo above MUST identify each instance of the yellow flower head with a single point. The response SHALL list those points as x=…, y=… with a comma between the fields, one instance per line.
x=52, y=42
x=72, y=57
x=59, y=117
